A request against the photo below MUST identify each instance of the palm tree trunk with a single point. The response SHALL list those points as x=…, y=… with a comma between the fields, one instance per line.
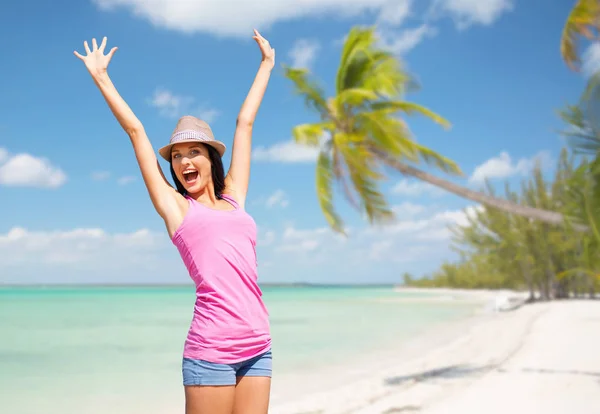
x=504, y=205
x=528, y=280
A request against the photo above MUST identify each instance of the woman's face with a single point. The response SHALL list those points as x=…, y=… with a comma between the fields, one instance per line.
x=192, y=165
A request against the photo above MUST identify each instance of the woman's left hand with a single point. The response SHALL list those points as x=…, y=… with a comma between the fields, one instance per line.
x=268, y=53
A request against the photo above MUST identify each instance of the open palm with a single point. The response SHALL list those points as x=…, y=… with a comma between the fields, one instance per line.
x=95, y=60
x=268, y=53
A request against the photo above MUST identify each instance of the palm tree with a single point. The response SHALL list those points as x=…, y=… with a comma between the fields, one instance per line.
x=500, y=250
x=360, y=133
x=583, y=21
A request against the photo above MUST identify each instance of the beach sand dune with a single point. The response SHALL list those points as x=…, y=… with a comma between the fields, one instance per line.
x=541, y=358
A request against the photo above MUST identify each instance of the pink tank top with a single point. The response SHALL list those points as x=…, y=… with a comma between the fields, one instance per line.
x=231, y=322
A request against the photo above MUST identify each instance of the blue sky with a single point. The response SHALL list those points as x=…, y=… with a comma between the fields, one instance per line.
x=74, y=209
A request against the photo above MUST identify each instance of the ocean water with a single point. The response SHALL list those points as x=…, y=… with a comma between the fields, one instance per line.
x=118, y=349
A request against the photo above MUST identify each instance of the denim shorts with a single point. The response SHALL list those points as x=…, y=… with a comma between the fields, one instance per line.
x=199, y=372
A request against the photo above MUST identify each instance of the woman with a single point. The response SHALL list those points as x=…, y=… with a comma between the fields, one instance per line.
x=227, y=354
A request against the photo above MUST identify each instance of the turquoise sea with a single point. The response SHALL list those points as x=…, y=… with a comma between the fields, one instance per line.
x=118, y=349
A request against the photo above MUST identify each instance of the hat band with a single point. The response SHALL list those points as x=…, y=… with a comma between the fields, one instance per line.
x=190, y=134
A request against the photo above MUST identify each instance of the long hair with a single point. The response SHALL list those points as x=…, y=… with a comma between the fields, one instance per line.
x=216, y=169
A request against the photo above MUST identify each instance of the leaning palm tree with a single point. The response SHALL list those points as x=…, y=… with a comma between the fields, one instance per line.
x=583, y=22
x=360, y=133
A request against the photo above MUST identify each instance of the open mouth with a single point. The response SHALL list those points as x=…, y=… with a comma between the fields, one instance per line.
x=190, y=176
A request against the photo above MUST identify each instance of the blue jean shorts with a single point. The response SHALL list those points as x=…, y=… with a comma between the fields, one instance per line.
x=199, y=372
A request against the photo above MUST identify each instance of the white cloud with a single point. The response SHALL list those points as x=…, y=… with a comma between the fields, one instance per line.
x=503, y=166
x=380, y=249
x=100, y=175
x=304, y=52
x=391, y=17
x=394, y=12
x=416, y=188
x=469, y=12
x=277, y=199
x=235, y=17
x=408, y=209
x=303, y=240
x=300, y=246
x=83, y=247
x=432, y=228
x=126, y=180
x=265, y=238
x=291, y=233
x=286, y=152
x=174, y=106
x=25, y=170
x=401, y=43
x=410, y=239
x=591, y=59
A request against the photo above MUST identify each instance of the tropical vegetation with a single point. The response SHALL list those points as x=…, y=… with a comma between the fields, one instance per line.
x=360, y=134
x=583, y=22
x=511, y=241
x=498, y=250
x=501, y=250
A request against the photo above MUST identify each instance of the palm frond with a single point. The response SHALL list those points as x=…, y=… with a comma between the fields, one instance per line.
x=388, y=134
x=324, y=192
x=340, y=172
x=358, y=40
x=390, y=107
x=443, y=163
x=584, y=197
x=384, y=75
x=311, y=134
x=365, y=66
x=355, y=97
x=581, y=135
x=362, y=166
x=314, y=96
x=581, y=22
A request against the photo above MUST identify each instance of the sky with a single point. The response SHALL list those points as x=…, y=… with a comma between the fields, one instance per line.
x=75, y=210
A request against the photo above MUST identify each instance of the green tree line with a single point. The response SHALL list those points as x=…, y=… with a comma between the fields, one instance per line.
x=503, y=250
x=500, y=250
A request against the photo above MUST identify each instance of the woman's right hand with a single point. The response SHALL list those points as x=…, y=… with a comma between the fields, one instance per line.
x=95, y=60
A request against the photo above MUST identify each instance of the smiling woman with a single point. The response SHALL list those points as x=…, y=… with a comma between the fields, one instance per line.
x=197, y=164
x=227, y=354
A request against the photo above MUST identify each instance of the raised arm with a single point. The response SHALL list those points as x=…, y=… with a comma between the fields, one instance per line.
x=239, y=172
x=162, y=194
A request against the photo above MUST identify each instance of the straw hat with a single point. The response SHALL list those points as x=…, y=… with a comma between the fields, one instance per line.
x=191, y=129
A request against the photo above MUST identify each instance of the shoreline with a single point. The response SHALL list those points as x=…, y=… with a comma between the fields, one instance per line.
x=308, y=392
x=438, y=365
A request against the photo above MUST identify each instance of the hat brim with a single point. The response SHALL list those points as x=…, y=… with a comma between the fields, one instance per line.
x=165, y=151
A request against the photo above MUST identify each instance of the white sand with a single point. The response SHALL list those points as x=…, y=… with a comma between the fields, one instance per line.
x=541, y=358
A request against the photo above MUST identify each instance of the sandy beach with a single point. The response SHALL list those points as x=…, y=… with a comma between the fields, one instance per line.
x=540, y=358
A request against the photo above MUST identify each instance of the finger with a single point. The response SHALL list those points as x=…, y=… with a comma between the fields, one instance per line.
x=94, y=44
x=87, y=48
x=262, y=37
x=103, y=44
x=78, y=55
x=111, y=53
